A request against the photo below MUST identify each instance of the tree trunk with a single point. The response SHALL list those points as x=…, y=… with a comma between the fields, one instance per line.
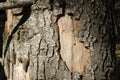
x=61, y=40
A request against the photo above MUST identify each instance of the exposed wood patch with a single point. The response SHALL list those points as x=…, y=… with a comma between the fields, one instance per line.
x=72, y=51
x=9, y=22
x=19, y=71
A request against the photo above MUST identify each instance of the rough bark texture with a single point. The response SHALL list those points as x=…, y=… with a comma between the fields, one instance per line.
x=15, y=4
x=62, y=40
x=117, y=16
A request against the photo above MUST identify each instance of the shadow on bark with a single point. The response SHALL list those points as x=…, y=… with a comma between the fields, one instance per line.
x=2, y=24
x=2, y=73
x=1, y=37
x=26, y=12
x=118, y=69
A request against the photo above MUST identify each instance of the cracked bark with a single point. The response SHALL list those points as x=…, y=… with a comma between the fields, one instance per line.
x=63, y=40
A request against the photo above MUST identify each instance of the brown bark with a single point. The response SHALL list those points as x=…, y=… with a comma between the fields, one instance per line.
x=63, y=40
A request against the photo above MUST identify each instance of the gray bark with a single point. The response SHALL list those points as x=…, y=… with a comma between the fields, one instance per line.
x=15, y=4
x=36, y=50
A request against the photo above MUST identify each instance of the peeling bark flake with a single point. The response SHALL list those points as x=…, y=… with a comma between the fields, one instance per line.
x=73, y=52
x=9, y=22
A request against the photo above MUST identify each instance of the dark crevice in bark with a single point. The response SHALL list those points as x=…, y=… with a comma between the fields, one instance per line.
x=2, y=73
x=26, y=15
x=37, y=67
x=1, y=37
x=2, y=25
x=3, y=18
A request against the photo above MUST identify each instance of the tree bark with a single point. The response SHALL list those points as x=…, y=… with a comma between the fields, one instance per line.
x=16, y=4
x=62, y=40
